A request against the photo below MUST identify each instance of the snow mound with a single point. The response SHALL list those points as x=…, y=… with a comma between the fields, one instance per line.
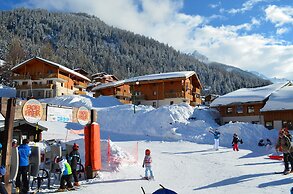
x=82, y=100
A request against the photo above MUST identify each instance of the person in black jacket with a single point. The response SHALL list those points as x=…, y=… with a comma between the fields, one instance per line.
x=235, y=142
x=74, y=159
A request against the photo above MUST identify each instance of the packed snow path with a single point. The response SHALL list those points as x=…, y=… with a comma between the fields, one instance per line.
x=194, y=168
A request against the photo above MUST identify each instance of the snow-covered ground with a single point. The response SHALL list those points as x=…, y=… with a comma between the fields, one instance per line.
x=182, y=150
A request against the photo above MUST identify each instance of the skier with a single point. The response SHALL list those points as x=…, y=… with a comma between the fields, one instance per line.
x=24, y=152
x=216, y=134
x=284, y=144
x=147, y=164
x=74, y=159
x=235, y=142
x=2, y=173
x=65, y=172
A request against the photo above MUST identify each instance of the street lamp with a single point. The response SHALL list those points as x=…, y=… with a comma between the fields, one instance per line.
x=134, y=94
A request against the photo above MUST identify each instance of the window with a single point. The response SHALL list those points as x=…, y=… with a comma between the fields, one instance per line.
x=61, y=84
x=171, y=102
x=48, y=94
x=250, y=109
x=118, y=89
x=239, y=109
x=269, y=124
x=229, y=110
x=71, y=87
x=49, y=81
x=154, y=104
x=23, y=94
x=24, y=83
x=287, y=124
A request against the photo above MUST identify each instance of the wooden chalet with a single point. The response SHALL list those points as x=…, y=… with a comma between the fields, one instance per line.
x=103, y=77
x=244, y=105
x=278, y=110
x=166, y=89
x=117, y=89
x=41, y=78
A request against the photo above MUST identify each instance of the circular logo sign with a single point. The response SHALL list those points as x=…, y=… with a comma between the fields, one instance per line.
x=83, y=115
x=32, y=111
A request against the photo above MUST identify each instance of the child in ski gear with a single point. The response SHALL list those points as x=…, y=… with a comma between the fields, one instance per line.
x=24, y=152
x=284, y=144
x=74, y=159
x=147, y=163
x=216, y=134
x=66, y=173
x=235, y=142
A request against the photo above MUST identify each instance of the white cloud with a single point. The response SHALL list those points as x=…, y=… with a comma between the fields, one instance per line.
x=213, y=6
x=279, y=15
x=248, y=5
x=163, y=21
x=281, y=31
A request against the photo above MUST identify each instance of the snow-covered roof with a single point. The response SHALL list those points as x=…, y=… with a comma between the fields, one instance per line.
x=245, y=95
x=7, y=92
x=280, y=100
x=159, y=76
x=54, y=64
x=108, y=85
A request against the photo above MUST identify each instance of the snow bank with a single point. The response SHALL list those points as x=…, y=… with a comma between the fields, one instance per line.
x=82, y=100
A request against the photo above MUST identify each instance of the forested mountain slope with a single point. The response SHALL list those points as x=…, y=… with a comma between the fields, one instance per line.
x=81, y=40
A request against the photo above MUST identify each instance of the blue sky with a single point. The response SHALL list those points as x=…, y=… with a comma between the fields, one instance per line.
x=255, y=35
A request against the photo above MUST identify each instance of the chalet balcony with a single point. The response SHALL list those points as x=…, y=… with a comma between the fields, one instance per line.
x=61, y=77
x=79, y=84
x=35, y=86
x=174, y=95
x=20, y=77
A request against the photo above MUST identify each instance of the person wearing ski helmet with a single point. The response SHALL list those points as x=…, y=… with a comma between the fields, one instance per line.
x=66, y=173
x=74, y=159
x=147, y=163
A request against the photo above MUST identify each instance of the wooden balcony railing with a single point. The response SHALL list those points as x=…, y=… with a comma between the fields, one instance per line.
x=35, y=86
x=173, y=95
x=80, y=84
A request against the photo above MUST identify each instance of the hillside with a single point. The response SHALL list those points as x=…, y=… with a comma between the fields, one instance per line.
x=81, y=40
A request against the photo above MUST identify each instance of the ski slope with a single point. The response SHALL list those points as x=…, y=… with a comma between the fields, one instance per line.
x=182, y=151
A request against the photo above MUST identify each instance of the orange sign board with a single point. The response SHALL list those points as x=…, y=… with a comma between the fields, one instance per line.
x=32, y=111
x=83, y=115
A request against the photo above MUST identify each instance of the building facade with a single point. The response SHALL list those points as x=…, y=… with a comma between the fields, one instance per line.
x=247, y=105
x=41, y=78
x=117, y=89
x=166, y=89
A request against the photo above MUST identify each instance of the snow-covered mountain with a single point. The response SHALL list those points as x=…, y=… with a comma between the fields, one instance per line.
x=273, y=80
x=200, y=56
